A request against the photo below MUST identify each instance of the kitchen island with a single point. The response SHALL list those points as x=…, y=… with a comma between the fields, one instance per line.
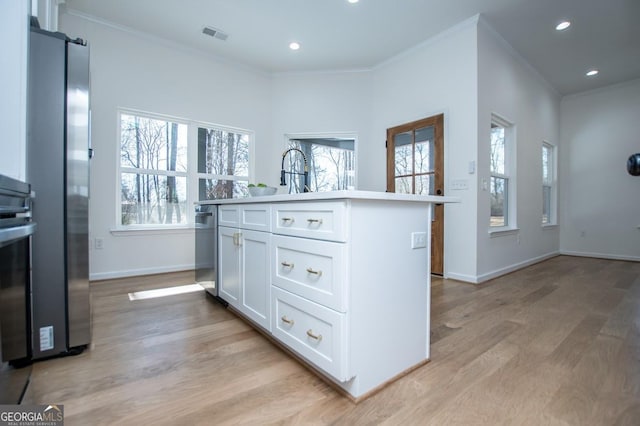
x=340, y=279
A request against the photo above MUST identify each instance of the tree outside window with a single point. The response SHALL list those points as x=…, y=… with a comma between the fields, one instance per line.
x=153, y=171
x=500, y=181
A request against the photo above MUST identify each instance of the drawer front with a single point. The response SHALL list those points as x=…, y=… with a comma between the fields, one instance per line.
x=256, y=217
x=323, y=221
x=316, y=333
x=315, y=270
x=229, y=215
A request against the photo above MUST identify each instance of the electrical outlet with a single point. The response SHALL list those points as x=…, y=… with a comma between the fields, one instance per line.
x=418, y=240
x=99, y=243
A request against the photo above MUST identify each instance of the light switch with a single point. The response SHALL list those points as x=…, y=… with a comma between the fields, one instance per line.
x=418, y=240
x=472, y=167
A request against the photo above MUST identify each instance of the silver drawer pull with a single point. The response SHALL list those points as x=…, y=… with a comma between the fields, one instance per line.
x=288, y=220
x=313, y=336
x=287, y=320
x=311, y=271
x=287, y=265
x=314, y=221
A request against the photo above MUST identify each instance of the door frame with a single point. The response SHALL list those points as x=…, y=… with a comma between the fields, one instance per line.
x=437, y=224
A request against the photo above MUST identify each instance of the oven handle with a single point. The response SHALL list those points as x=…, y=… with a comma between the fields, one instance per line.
x=15, y=233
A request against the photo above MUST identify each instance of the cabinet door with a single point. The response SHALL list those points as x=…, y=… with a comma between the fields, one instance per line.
x=229, y=264
x=256, y=273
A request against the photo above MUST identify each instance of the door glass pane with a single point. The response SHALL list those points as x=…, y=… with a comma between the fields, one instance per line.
x=424, y=154
x=425, y=184
x=403, y=153
x=498, y=201
x=404, y=185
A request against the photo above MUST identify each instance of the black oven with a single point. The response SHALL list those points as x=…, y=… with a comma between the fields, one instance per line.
x=16, y=229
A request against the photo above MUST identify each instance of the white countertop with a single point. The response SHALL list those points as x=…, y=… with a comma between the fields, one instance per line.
x=337, y=195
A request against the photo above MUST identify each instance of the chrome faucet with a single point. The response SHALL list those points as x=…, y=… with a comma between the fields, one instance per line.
x=283, y=173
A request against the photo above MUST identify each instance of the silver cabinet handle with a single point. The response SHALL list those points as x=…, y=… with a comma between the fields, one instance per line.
x=314, y=272
x=314, y=221
x=287, y=320
x=317, y=337
x=288, y=220
x=237, y=238
x=287, y=265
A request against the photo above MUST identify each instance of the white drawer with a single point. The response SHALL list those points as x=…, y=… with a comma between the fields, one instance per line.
x=229, y=215
x=316, y=333
x=324, y=221
x=256, y=217
x=315, y=270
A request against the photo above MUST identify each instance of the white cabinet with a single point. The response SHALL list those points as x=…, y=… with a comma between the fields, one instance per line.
x=337, y=281
x=244, y=260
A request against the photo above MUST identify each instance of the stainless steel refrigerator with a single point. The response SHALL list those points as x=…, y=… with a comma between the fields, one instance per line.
x=58, y=153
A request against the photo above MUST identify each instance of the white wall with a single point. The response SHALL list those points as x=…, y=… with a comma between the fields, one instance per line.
x=600, y=201
x=317, y=103
x=438, y=76
x=135, y=71
x=14, y=31
x=508, y=86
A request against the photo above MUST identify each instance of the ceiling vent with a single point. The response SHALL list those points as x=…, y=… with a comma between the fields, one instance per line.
x=215, y=33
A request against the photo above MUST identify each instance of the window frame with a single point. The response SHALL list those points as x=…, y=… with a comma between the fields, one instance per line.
x=551, y=184
x=327, y=135
x=510, y=175
x=191, y=174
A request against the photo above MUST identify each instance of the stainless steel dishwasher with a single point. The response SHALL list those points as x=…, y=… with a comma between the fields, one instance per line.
x=206, y=256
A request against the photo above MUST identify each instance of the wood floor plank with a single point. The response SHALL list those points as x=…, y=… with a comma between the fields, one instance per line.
x=557, y=343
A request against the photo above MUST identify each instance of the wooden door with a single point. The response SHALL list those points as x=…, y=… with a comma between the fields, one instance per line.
x=415, y=165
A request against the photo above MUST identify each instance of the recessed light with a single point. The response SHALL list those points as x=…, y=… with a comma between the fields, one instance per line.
x=591, y=73
x=294, y=45
x=563, y=25
x=353, y=1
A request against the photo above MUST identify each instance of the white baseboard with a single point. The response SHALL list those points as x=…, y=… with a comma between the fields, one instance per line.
x=503, y=271
x=600, y=255
x=473, y=279
x=136, y=272
x=462, y=277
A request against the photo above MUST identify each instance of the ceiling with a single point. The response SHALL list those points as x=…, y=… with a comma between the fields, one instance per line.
x=336, y=35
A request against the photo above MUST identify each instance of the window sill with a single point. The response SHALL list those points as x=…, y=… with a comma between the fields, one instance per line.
x=502, y=232
x=549, y=226
x=131, y=231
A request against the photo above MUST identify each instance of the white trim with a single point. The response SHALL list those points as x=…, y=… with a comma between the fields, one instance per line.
x=462, y=277
x=549, y=226
x=320, y=135
x=470, y=22
x=478, y=279
x=482, y=23
x=137, y=272
x=516, y=266
x=138, y=230
x=500, y=231
x=601, y=255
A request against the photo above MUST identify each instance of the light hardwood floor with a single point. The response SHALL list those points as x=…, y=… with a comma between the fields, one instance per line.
x=557, y=343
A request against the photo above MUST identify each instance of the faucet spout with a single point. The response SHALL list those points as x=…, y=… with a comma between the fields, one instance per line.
x=283, y=173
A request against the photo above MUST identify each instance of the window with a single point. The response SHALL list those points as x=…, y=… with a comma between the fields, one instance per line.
x=153, y=171
x=223, y=163
x=501, y=184
x=156, y=182
x=548, y=183
x=331, y=162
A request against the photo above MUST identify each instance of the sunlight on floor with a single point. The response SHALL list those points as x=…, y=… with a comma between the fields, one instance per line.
x=167, y=291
